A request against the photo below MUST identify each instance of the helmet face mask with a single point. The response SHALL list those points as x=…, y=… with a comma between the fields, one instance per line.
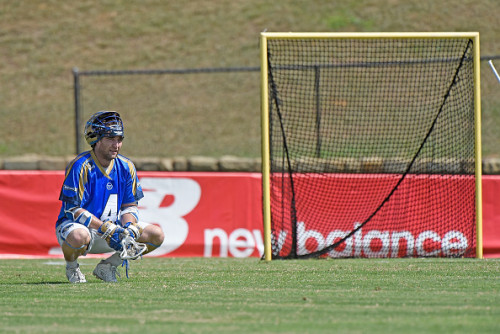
x=103, y=124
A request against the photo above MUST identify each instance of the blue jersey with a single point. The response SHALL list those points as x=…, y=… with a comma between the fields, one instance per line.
x=101, y=191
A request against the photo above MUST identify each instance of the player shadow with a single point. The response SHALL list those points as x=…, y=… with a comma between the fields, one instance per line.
x=35, y=283
x=46, y=283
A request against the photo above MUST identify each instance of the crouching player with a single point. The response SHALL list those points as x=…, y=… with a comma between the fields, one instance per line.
x=100, y=195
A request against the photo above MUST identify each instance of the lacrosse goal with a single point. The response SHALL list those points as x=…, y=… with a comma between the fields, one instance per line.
x=371, y=145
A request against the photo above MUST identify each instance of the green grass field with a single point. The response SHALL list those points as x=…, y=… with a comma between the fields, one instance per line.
x=197, y=295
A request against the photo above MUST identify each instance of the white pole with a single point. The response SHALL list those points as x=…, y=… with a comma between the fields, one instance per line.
x=494, y=70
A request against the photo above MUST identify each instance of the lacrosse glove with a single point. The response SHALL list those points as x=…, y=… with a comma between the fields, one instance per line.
x=134, y=230
x=113, y=234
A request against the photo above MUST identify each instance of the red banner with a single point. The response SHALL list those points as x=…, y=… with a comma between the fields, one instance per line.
x=202, y=214
x=491, y=216
x=427, y=224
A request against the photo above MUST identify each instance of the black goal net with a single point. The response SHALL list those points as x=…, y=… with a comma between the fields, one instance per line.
x=371, y=147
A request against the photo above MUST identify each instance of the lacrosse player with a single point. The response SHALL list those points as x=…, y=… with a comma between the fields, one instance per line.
x=99, y=213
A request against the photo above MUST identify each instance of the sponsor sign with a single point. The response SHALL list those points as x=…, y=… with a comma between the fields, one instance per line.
x=214, y=215
x=425, y=217
x=202, y=214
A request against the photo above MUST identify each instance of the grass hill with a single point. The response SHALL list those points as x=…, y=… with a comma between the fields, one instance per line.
x=199, y=114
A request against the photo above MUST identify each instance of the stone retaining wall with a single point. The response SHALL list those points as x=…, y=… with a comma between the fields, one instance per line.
x=491, y=166
x=178, y=164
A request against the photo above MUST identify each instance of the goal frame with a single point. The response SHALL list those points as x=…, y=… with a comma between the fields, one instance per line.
x=265, y=140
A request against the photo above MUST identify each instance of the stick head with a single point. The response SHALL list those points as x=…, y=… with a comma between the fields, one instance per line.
x=132, y=249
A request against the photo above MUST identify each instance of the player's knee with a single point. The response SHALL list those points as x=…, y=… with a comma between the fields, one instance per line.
x=156, y=236
x=153, y=234
x=78, y=238
x=159, y=237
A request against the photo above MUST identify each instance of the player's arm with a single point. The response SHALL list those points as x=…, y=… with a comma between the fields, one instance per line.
x=82, y=216
x=109, y=231
x=129, y=219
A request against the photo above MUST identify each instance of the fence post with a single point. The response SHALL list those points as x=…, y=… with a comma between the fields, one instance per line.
x=76, y=88
x=318, y=109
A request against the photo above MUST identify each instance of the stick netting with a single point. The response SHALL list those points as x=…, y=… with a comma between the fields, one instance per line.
x=372, y=147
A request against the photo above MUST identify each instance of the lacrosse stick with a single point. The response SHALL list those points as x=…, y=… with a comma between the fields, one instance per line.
x=132, y=249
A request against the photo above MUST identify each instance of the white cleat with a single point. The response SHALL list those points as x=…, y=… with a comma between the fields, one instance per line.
x=106, y=272
x=74, y=275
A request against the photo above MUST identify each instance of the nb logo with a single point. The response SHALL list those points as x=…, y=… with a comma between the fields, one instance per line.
x=166, y=201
